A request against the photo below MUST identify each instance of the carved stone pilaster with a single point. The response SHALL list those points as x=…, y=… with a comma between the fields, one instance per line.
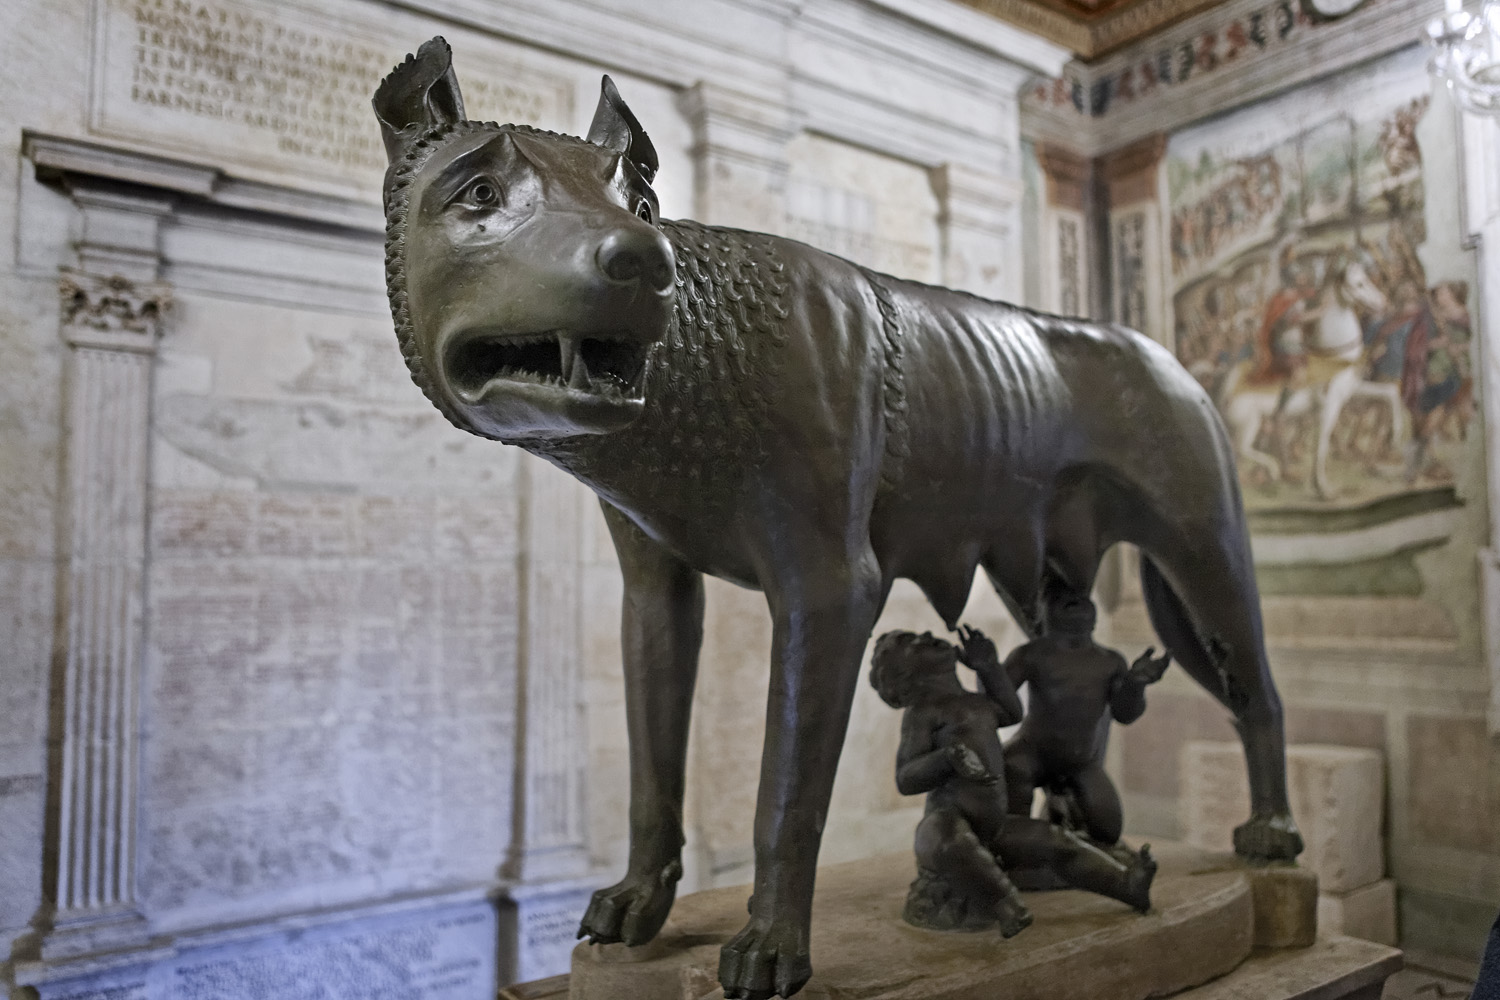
x=739, y=157
x=1066, y=260
x=110, y=325
x=547, y=864
x=979, y=218
x=549, y=841
x=1481, y=174
x=1131, y=182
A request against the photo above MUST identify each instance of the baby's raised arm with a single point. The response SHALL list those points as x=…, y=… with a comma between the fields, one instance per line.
x=997, y=682
x=1127, y=697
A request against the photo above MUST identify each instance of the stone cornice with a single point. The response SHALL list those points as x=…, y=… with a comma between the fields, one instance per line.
x=71, y=162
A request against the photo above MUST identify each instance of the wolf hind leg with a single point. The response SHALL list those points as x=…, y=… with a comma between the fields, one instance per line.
x=1217, y=637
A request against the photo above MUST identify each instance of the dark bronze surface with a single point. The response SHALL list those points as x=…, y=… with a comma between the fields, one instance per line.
x=1075, y=689
x=750, y=407
x=951, y=751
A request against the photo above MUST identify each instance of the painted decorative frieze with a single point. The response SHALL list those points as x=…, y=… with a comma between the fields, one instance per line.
x=1216, y=49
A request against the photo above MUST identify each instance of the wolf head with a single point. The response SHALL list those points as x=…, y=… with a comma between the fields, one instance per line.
x=527, y=274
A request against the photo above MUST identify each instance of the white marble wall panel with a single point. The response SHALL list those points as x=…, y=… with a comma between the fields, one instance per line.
x=443, y=952
x=873, y=209
x=334, y=607
x=29, y=476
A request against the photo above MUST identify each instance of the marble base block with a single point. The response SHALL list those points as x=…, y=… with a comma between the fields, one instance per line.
x=1286, y=906
x=1337, y=795
x=1335, y=968
x=539, y=927
x=1201, y=926
x=1368, y=912
x=404, y=948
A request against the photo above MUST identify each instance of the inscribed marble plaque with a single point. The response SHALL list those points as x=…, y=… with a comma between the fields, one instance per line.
x=278, y=89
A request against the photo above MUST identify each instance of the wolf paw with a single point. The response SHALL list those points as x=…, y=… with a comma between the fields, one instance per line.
x=633, y=910
x=1268, y=837
x=766, y=959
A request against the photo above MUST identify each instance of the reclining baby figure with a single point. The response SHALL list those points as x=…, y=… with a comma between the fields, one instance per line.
x=950, y=749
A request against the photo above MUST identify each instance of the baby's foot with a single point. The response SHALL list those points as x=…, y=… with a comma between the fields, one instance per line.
x=1012, y=914
x=1138, y=880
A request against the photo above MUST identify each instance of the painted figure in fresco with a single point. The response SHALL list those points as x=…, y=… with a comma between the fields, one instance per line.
x=1280, y=343
x=950, y=750
x=750, y=407
x=1424, y=347
x=1323, y=353
x=1075, y=688
x=1448, y=399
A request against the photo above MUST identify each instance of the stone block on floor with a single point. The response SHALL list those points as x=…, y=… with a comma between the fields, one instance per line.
x=1337, y=797
x=1368, y=913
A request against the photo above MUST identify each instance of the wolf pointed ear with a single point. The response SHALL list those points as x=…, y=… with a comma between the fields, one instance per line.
x=615, y=127
x=421, y=92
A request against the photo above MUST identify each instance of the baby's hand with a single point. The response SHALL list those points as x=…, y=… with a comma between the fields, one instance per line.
x=1148, y=669
x=976, y=647
x=966, y=764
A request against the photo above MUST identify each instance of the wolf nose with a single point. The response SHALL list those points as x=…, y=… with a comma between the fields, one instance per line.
x=630, y=256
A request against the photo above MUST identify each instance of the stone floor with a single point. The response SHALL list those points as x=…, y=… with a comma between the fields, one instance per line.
x=1430, y=978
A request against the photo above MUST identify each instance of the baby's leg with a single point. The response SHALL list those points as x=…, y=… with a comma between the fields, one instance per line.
x=956, y=866
x=1035, y=843
x=1099, y=803
x=1023, y=769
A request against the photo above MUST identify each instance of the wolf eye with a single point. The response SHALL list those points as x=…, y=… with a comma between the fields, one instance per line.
x=483, y=194
x=643, y=210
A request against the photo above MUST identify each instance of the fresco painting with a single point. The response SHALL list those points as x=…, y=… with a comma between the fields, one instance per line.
x=1332, y=329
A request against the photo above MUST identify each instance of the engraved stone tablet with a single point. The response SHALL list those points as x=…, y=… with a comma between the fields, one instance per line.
x=277, y=89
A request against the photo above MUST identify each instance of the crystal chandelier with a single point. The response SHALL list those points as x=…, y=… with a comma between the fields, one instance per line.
x=1466, y=55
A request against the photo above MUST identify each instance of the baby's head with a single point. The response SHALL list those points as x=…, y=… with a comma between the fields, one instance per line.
x=1074, y=616
x=903, y=659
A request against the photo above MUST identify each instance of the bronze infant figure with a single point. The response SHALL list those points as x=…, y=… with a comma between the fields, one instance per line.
x=965, y=842
x=750, y=407
x=1076, y=688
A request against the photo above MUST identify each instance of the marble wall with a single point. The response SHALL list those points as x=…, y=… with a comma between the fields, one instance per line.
x=301, y=687
x=1379, y=606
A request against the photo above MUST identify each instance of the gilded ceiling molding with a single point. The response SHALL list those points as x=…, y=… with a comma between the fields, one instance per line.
x=1091, y=32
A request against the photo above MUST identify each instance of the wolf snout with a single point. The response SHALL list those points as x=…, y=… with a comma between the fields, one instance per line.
x=637, y=256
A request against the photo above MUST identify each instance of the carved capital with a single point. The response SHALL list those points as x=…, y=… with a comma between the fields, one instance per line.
x=112, y=313
x=1130, y=172
x=1068, y=175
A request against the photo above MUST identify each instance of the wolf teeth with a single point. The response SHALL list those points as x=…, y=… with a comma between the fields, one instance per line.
x=568, y=355
x=579, y=379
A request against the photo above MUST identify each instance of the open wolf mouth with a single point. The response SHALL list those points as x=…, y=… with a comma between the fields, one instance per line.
x=599, y=364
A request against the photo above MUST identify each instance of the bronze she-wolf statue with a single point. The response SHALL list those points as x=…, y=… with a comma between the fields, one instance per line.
x=750, y=407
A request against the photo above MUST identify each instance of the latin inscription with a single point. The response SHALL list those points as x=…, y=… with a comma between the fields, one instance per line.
x=250, y=84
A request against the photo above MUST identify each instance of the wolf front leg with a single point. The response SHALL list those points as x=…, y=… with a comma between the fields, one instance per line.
x=822, y=612
x=661, y=633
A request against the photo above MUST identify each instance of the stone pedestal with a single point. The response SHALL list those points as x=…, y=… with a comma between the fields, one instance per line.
x=1335, y=968
x=1201, y=927
x=1338, y=799
x=1286, y=906
x=540, y=923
